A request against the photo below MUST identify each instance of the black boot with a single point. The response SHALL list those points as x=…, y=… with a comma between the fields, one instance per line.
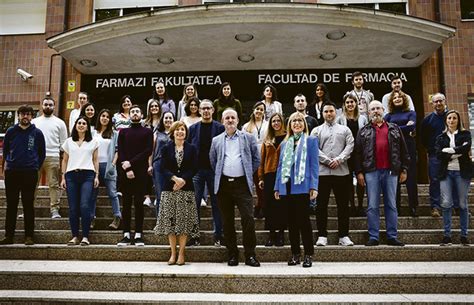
x=271, y=239
x=280, y=239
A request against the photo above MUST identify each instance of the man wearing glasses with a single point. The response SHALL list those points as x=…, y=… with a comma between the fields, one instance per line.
x=23, y=154
x=381, y=159
x=55, y=133
x=200, y=135
x=431, y=127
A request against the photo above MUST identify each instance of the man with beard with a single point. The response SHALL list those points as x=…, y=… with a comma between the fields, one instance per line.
x=23, y=154
x=364, y=97
x=234, y=158
x=55, y=133
x=201, y=135
x=300, y=106
x=381, y=159
x=335, y=147
x=396, y=83
x=134, y=147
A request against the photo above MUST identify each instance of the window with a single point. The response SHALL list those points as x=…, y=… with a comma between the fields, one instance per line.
x=396, y=6
x=467, y=9
x=22, y=17
x=106, y=14
x=104, y=9
x=470, y=110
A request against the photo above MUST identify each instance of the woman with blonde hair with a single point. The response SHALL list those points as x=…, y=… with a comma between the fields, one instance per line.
x=274, y=210
x=297, y=183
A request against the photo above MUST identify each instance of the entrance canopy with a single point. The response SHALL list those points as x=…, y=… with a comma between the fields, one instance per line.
x=257, y=36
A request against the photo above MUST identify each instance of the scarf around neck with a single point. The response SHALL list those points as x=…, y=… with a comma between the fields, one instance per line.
x=290, y=158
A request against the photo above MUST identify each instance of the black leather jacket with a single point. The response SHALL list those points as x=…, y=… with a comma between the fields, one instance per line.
x=365, y=150
x=462, y=142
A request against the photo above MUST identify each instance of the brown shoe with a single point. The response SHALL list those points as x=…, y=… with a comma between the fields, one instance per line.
x=435, y=213
x=29, y=241
x=115, y=223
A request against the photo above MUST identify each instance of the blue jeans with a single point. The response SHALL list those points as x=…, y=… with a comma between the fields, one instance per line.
x=203, y=177
x=79, y=187
x=433, y=169
x=111, y=186
x=454, y=182
x=377, y=182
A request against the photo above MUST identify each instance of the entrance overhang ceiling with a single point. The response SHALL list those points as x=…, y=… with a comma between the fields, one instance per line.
x=285, y=36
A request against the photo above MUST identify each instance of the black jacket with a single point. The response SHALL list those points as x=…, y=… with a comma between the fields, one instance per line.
x=169, y=166
x=462, y=142
x=365, y=150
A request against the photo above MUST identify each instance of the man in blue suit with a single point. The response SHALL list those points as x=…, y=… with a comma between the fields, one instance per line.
x=234, y=158
x=201, y=135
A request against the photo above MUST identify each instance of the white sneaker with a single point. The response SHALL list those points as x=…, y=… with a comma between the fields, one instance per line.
x=345, y=241
x=322, y=241
x=147, y=202
x=203, y=203
x=55, y=214
x=21, y=216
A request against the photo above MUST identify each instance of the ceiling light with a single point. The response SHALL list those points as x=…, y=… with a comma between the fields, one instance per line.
x=243, y=37
x=88, y=63
x=154, y=40
x=165, y=60
x=328, y=56
x=246, y=58
x=410, y=55
x=336, y=35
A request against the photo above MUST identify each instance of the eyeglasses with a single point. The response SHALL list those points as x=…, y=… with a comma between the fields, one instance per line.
x=438, y=101
x=154, y=106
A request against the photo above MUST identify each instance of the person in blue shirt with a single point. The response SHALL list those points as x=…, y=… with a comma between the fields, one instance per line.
x=399, y=113
x=24, y=151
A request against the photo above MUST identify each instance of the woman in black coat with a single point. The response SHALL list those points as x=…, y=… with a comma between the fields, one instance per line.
x=453, y=148
x=177, y=217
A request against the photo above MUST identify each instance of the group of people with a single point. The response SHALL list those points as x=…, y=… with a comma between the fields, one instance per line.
x=199, y=149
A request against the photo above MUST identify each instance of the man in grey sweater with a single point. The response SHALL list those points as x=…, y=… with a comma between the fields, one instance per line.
x=335, y=147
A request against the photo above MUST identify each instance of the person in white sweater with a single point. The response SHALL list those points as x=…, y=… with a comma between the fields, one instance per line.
x=82, y=99
x=55, y=133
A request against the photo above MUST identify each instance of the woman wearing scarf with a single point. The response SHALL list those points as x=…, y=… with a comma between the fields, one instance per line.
x=297, y=183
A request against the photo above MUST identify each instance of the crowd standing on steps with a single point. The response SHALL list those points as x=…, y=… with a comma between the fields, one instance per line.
x=173, y=157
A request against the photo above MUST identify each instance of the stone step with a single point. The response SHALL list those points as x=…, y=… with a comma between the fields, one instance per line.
x=432, y=236
x=323, y=277
x=103, y=201
x=106, y=211
x=161, y=253
x=93, y=297
x=43, y=190
x=356, y=223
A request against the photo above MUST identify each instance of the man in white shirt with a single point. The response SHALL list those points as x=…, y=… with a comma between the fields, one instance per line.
x=55, y=133
x=82, y=99
x=397, y=85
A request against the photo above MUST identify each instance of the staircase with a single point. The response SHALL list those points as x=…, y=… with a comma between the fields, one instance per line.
x=52, y=272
